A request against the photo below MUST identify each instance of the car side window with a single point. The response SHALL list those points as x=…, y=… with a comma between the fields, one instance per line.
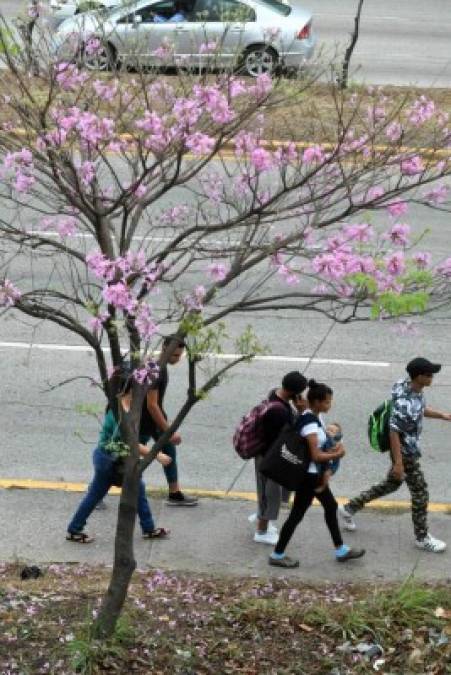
x=230, y=10
x=165, y=8
x=222, y=10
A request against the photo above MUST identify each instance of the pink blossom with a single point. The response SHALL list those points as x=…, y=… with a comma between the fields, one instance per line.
x=437, y=195
x=421, y=111
x=118, y=295
x=261, y=159
x=329, y=265
x=67, y=226
x=69, y=77
x=236, y=87
x=422, y=260
x=165, y=51
x=96, y=323
x=374, y=193
x=9, y=294
x=218, y=271
x=398, y=208
x=444, y=268
x=313, y=154
x=144, y=322
x=412, y=166
x=244, y=141
x=104, y=90
x=399, y=234
x=93, y=46
x=23, y=182
x=99, y=265
x=263, y=86
x=394, y=131
x=151, y=122
x=395, y=263
x=87, y=173
x=362, y=232
x=200, y=144
x=195, y=301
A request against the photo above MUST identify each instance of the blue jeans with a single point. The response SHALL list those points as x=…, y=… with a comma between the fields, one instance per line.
x=171, y=471
x=100, y=484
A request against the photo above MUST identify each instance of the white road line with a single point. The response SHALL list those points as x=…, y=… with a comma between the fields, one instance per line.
x=226, y=357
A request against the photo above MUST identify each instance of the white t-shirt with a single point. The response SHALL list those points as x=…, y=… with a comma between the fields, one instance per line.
x=314, y=428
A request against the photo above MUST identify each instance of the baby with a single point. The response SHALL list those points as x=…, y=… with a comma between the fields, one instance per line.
x=327, y=469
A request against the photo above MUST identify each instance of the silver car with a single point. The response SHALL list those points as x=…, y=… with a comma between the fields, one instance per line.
x=256, y=35
x=60, y=10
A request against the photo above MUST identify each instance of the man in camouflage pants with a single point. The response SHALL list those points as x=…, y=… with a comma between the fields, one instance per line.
x=406, y=422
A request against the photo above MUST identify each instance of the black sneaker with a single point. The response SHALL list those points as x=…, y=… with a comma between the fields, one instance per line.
x=180, y=499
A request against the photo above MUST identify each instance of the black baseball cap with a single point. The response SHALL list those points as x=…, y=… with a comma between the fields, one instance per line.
x=421, y=366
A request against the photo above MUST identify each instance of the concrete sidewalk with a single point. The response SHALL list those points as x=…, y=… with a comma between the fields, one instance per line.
x=216, y=537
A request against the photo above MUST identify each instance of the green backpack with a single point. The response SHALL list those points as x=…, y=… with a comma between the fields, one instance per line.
x=378, y=427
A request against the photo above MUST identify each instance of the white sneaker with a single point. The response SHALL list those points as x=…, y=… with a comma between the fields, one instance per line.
x=430, y=544
x=348, y=520
x=271, y=527
x=266, y=538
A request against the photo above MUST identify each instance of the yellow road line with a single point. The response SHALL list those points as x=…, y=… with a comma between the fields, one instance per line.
x=61, y=486
x=227, y=151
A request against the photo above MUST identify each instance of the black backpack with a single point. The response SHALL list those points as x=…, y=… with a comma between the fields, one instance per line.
x=287, y=460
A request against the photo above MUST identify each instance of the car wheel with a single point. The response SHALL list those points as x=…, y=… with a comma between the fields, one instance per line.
x=104, y=59
x=258, y=60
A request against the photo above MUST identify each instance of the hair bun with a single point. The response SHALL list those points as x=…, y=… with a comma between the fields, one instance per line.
x=312, y=383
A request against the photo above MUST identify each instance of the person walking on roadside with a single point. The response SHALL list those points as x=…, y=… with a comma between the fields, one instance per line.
x=406, y=422
x=154, y=422
x=311, y=427
x=269, y=493
x=105, y=460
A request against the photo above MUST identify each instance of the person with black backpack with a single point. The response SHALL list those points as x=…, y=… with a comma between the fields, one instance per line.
x=407, y=409
x=311, y=427
x=255, y=435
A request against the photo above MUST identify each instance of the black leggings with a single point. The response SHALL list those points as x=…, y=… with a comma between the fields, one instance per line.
x=302, y=502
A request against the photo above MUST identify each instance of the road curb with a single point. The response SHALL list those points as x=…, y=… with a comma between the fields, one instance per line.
x=62, y=486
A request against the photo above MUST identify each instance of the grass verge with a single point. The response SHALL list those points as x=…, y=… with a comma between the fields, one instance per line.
x=195, y=625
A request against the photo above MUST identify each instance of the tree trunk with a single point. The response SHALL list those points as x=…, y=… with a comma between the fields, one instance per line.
x=124, y=556
x=343, y=79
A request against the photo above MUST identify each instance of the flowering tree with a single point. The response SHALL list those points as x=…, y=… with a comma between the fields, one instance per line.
x=122, y=187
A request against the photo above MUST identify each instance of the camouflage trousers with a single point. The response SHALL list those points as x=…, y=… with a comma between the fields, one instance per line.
x=418, y=489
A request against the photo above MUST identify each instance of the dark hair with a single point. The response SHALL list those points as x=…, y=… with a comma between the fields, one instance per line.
x=318, y=391
x=294, y=382
x=179, y=6
x=180, y=342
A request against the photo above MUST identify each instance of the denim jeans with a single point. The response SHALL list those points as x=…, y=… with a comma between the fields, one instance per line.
x=171, y=471
x=100, y=484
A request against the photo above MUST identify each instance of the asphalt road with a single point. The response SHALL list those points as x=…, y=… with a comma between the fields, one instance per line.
x=404, y=43
x=45, y=438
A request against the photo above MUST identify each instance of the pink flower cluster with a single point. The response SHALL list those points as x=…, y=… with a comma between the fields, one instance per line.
x=412, y=166
x=195, y=300
x=118, y=276
x=91, y=129
x=9, y=294
x=18, y=167
x=421, y=111
x=69, y=77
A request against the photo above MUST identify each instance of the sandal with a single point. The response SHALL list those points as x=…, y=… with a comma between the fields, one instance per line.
x=79, y=537
x=157, y=533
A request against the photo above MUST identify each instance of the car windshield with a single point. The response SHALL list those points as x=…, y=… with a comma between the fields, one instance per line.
x=277, y=6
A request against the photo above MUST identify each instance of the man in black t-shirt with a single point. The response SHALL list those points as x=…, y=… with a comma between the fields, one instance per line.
x=269, y=493
x=154, y=422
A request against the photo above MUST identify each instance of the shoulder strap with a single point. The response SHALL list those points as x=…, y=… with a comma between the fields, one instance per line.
x=307, y=418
